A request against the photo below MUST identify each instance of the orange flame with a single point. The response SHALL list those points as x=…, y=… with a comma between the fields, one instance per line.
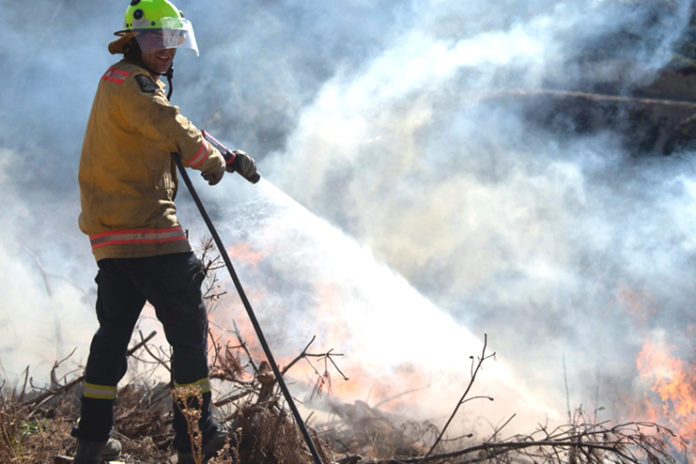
x=639, y=305
x=246, y=253
x=673, y=381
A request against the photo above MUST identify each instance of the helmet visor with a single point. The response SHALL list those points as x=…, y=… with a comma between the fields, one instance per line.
x=178, y=34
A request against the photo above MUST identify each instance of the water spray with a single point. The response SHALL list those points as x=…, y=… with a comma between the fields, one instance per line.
x=242, y=294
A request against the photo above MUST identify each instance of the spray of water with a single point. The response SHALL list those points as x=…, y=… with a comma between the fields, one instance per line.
x=529, y=237
x=310, y=279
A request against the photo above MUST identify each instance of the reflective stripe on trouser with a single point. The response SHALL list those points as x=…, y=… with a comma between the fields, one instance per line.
x=189, y=396
x=193, y=388
x=99, y=392
x=172, y=284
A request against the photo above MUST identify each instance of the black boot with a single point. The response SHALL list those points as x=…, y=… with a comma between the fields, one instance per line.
x=93, y=452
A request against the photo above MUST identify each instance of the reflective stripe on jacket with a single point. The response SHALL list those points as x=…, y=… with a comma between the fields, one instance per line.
x=127, y=175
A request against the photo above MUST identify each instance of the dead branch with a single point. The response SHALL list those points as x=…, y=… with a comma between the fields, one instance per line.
x=474, y=371
x=24, y=385
x=243, y=346
x=267, y=380
x=216, y=347
x=325, y=356
x=59, y=389
x=158, y=360
x=233, y=398
x=226, y=366
x=399, y=395
x=625, y=443
x=498, y=429
x=323, y=378
x=299, y=356
x=209, y=268
x=267, y=435
x=56, y=364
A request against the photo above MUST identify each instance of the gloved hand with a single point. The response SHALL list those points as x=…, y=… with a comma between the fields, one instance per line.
x=243, y=163
x=215, y=175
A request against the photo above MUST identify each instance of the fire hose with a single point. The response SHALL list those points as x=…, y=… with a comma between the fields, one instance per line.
x=240, y=290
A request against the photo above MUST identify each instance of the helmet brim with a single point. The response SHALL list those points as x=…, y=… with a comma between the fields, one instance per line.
x=155, y=38
x=117, y=46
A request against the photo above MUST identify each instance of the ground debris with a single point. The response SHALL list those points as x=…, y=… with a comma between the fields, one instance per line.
x=35, y=425
x=357, y=433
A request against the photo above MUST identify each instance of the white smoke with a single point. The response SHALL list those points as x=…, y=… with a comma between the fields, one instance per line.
x=46, y=312
x=306, y=279
x=527, y=237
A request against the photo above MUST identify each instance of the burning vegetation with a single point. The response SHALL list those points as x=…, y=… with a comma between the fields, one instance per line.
x=35, y=422
x=35, y=426
x=672, y=384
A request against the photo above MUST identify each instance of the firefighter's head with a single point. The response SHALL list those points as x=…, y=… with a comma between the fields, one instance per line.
x=154, y=25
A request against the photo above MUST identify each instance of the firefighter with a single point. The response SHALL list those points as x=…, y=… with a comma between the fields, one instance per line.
x=127, y=183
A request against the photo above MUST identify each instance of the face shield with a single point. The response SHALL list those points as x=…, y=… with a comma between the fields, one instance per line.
x=175, y=33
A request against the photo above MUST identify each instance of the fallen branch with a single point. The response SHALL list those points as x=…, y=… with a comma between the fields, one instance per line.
x=52, y=392
x=625, y=444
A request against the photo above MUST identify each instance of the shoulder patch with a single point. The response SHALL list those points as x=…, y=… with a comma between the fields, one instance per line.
x=147, y=85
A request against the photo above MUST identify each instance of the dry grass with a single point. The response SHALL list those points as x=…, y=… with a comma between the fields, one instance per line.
x=30, y=436
x=267, y=434
x=35, y=426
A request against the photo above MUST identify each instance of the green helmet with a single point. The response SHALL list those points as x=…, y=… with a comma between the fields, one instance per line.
x=152, y=14
x=156, y=25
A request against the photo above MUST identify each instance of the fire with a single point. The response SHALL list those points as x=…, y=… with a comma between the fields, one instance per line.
x=639, y=305
x=671, y=400
x=360, y=381
x=246, y=253
x=673, y=381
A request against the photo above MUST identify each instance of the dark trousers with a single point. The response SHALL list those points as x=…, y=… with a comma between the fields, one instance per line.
x=172, y=284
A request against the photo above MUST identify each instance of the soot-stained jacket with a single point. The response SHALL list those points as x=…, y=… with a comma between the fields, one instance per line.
x=127, y=174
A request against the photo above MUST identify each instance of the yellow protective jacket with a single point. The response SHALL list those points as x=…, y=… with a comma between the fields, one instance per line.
x=127, y=174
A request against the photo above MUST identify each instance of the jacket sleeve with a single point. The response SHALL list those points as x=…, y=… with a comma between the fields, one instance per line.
x=152, y=115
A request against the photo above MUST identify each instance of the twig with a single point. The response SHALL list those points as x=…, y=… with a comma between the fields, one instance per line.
x=54, y=379
x=299, y=356
x=616, y=446
x=567, y=392
x=327, y=357
x=24, y=384
x=397, y=396
x=244, y=346
x=157, y=359
x=463, y=399
x=40, y=399
x=497, y=430
x=232, y=398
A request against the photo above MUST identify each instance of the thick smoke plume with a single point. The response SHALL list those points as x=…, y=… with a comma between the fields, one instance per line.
x=387, y=121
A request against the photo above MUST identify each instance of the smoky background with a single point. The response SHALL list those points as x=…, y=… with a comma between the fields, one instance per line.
x=387, y=123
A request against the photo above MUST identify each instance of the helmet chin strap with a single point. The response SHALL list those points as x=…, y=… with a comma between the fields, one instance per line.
x=170, y=76
x=137, y=58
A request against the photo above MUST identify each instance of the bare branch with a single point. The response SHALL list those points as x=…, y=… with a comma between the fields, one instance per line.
x=40, y=399
x=299, y=356
x=462, y=400
x=395, y=397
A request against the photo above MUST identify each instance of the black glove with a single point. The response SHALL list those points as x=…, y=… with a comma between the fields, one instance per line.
x=243, y=163
x=214, y=176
